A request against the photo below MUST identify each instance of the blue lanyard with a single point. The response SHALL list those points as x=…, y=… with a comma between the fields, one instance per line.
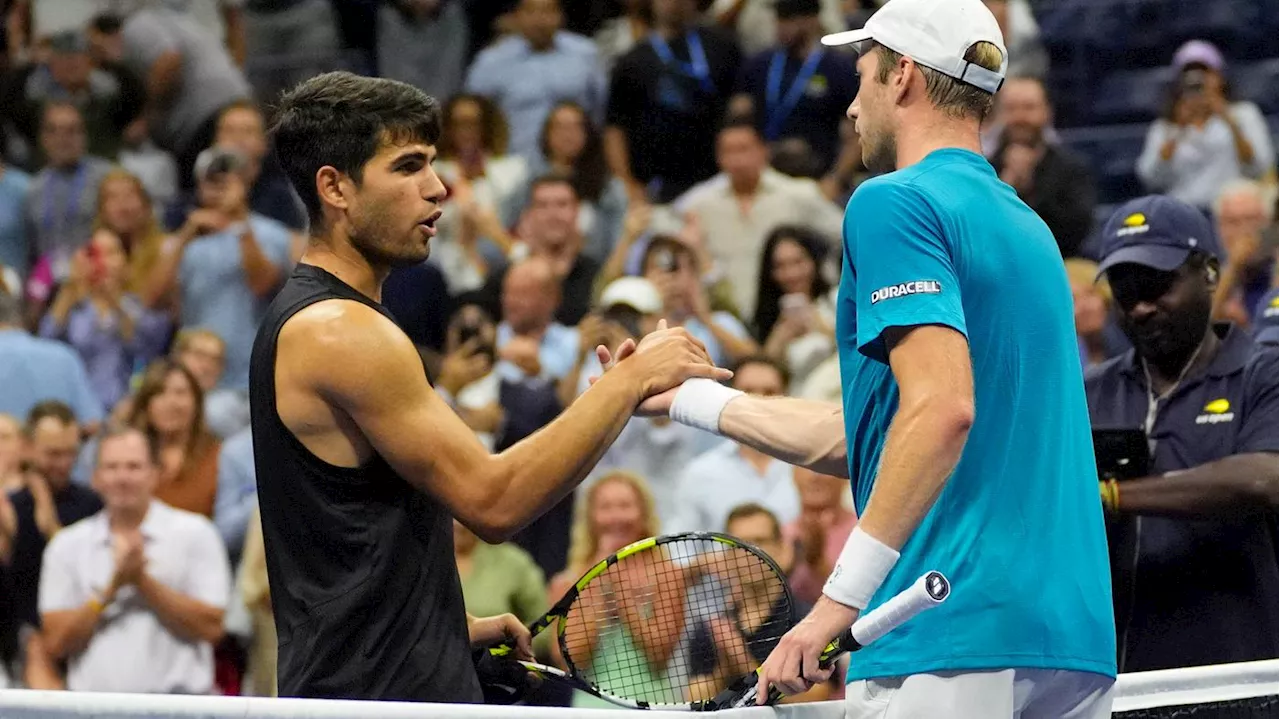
x=49, y=221
x=778, y=109
x=696, y=68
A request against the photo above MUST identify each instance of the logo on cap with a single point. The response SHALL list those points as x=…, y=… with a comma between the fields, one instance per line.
x=1216, y=412
x=1134, y=224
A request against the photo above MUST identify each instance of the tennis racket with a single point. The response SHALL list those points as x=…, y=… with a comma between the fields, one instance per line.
x=623, y=628
x=928, y=591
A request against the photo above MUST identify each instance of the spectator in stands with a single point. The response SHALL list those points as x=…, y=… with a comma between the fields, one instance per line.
x=526, y=74
x=795, y=306
x=167, y=407
x=425, y=43
x=1099, y=336
x=1266, y=320
x=674, y=268
x=732, y=474
x=190, y=79
x=497, y=579
x=15, y=252
x=570, y=146
x=125, y=209
x=612, y=513
x=237, y=494
x=1048, y=177
x=617, y=36
x=47, y=503
x=225, y=262
x=549, y=231
x=666, y=98
x=819, y=533
x=484, y=182
x=736, y=643
x=796, y=88
x=1204, y=139
x=109, y=97
x=132, y=598
x=204, y=354
x=300, y=36
x=748, y=199
x=1205, y=395
x=242, y=128
x=62, y=197
x=11, y=452
x=530, y=344
x=757, y=22
x=1246, y=226
x=35, y=369
x=255, y=592
x=467, y=379
x=1027, y=56
x=110, y=328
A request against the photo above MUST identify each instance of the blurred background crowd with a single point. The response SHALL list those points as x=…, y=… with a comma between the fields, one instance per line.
x=610, y=163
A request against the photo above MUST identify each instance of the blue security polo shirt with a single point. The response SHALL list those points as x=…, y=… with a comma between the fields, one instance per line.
x=1200, y=591
x=1018, y=527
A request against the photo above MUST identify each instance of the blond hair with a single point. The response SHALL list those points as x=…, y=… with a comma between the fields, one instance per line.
x=1082, y=271
x=144, y=250
x=954, y=97
x=186, y=337
x=584, y=541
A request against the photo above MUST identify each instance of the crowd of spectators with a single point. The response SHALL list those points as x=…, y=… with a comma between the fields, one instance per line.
x=610, y=163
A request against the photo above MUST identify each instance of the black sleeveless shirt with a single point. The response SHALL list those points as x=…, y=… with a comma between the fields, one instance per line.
x=364, y=586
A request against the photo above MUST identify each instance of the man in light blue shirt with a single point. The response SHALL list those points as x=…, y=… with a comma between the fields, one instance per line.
x=731, y=474
x=226, y=262
x=964, y=428
x=14, y=252
x=528, y=73
x=529, y=343
x=33, y=369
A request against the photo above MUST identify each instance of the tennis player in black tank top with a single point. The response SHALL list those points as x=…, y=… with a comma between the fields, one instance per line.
x=360, y=464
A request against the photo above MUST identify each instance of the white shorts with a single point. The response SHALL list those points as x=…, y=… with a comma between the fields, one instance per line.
x=995, y=694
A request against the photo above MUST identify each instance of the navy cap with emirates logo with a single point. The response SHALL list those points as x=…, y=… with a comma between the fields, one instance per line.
x=936, y=34
x=1156, y=231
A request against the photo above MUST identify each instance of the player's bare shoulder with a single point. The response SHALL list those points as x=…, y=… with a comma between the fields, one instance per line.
x=345, y=334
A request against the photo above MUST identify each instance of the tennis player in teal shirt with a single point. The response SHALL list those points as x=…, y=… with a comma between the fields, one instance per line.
x=964, y=428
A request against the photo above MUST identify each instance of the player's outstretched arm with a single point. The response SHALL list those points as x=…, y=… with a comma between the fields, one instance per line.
x=356, y=360
x=797, y=431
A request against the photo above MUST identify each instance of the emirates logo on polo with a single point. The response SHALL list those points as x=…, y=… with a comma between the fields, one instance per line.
x=902, y=289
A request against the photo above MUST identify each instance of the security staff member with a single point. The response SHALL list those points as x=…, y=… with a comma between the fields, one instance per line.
x=1202, y=578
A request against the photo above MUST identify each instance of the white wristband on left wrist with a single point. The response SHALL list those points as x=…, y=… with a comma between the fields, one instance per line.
x=864, y=563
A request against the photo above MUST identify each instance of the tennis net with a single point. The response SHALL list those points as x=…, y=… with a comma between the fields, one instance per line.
x=1226, y=691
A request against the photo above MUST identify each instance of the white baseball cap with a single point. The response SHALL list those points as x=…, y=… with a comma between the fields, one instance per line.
x=936, y=34
x=635, y=292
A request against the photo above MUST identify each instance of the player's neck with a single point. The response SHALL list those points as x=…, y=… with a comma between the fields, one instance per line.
x=916, y=140
x=341, y=260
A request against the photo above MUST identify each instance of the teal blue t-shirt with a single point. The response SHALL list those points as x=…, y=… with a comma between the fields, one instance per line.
x=1018, y=528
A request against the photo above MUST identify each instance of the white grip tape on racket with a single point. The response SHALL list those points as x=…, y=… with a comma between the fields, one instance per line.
x=928, y=591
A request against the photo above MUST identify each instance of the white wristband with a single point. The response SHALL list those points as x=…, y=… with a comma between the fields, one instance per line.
x=864, y=563
x=699, y=402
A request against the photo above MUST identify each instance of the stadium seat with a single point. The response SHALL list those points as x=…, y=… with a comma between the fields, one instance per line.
x=1257, y=82
x=1131, y=96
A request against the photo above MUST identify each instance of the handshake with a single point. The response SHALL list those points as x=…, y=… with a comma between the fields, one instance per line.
x=657, y=366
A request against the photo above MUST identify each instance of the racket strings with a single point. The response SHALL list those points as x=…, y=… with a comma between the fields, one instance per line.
x=656, y=623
